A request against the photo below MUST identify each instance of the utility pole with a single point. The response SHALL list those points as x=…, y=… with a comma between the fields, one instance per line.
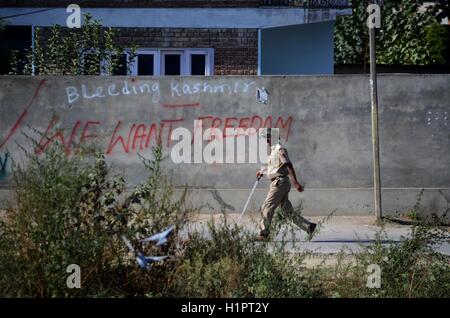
x=373, y=22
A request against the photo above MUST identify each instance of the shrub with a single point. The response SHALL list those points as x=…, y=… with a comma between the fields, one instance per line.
x=89, y=50
x=226, y=261
x=68, y=210
x=411, y=268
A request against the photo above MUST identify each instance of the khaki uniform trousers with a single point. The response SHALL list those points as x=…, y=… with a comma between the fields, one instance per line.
x=278, y=196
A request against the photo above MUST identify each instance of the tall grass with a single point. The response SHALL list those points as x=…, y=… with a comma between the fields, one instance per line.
x=71, y=210
x=411, y=268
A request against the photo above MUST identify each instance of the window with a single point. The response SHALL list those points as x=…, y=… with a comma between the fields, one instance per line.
x=198, y=64
x=146, y=62
x=173, y=62
x=121, y=69
x=13, y=38
x=91, y=64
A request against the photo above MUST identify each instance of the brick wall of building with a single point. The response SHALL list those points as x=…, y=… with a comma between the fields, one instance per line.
x=235, y=50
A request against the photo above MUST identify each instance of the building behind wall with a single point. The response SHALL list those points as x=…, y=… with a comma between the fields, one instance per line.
x=196, y=37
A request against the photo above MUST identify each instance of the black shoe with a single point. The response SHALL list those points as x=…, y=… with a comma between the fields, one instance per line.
x=312, y=228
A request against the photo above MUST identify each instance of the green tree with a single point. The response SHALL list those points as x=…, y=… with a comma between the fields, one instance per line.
x=351, y=36
x=408, y=36
x=89, y=50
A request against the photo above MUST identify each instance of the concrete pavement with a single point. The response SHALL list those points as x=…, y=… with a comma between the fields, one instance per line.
x=339, y=233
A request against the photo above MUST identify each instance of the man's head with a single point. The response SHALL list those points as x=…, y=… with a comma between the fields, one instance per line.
x=269, y=134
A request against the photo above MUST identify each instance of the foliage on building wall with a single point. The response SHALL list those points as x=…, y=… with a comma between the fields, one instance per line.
x=89, y=50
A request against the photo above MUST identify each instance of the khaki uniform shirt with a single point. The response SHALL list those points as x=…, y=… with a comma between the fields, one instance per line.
x=277, y=162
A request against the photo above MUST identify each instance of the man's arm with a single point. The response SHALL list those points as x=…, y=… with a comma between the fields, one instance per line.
x=261, y=172
x=293, y=177
x=285, y=160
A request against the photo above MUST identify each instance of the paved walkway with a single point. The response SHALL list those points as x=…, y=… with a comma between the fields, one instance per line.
x=338, y=233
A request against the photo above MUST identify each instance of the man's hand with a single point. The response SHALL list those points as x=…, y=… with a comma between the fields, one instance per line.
x=298, y=186
x=258, y=174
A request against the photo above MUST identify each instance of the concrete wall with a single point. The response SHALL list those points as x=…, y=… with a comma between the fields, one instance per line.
x=324, y=121
x=297, y=50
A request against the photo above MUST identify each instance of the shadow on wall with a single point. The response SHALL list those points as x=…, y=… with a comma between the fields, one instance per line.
x=5, y=166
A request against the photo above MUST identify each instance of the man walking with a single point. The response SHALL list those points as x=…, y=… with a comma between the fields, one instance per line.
x=279, y=169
